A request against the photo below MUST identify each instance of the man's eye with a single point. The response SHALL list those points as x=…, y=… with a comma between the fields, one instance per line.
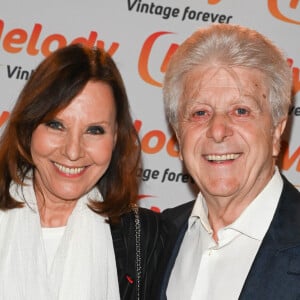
x=95, y=130
x=199, y=113
x=54, y=124
x=242, y=111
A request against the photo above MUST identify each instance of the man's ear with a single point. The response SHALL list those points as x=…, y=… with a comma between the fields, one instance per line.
x=178, y=142
x=278, y=131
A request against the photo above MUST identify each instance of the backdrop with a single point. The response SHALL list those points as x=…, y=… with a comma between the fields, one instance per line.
x=141, y=36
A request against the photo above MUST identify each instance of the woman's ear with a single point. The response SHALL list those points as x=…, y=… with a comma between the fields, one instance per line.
x=116, y=135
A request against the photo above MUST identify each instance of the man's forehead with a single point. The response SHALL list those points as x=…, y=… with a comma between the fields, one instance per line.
x=248, y=79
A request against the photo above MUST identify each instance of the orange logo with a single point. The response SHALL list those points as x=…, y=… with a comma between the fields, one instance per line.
x=33, y=42
x=145, y=57
x=296, y=76
x=4, y=117
x=275, y=11
x=155, y=140
x=212, y=2
x=288, y=159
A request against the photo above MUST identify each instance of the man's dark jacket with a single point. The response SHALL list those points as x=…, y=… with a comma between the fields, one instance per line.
x=275, y=272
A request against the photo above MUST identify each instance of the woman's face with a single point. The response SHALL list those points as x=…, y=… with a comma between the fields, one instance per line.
x=72, y=151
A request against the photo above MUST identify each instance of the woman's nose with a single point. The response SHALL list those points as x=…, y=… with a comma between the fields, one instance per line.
x=73, y=147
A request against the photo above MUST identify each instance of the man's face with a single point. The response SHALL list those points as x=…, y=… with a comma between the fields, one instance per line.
x=226, y=134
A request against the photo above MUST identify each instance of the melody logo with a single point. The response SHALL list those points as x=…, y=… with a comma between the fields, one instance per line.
x=277, y=13
x=34, y=42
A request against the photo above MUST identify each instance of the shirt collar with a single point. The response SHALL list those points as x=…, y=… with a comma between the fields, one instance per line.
x=255, y=219
x=200, y=212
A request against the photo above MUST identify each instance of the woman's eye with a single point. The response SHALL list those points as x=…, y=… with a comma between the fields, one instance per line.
x=95, y=130
x=54, y=124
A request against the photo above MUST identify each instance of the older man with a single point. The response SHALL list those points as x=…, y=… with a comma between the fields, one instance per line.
x=227, y=93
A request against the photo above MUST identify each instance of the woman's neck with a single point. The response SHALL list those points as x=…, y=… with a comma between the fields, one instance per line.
x=54, y=214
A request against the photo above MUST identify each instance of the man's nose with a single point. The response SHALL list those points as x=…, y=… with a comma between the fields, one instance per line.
x=219, y=127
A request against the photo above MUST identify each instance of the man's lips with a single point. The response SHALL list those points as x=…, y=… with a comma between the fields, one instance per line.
x=222, y=157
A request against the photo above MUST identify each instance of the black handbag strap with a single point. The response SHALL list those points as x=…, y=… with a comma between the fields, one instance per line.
x=137, y=241
x=124, y=237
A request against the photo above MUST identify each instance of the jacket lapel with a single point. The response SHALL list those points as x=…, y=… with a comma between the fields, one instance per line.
x=277, y=263
x=175, y=221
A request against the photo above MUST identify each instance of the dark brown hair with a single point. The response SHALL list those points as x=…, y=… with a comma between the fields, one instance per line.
x=52, y=86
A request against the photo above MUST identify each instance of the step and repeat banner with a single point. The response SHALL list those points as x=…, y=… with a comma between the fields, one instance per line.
x=141, y=36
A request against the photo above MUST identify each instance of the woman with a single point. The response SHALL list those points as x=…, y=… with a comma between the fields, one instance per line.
x=68, y=162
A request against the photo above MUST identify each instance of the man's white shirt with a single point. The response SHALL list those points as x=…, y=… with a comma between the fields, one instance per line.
x=206, y=270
